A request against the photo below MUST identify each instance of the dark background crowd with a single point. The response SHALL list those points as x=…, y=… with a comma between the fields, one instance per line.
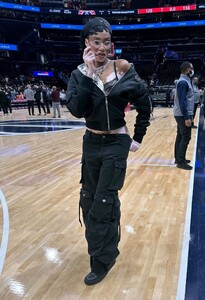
x=156, y=53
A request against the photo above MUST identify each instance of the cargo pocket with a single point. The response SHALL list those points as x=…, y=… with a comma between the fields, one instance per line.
x=119, y=175
x=102, y=208
x=86, y=200
x=85, y=204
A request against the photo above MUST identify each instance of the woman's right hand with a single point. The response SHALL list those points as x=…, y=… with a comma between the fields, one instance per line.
x=89, y=59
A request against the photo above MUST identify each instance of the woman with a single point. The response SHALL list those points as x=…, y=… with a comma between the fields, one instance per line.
x=99, y=90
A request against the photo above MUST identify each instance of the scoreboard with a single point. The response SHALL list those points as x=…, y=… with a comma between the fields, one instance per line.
x=166, y=9
x=152, y=10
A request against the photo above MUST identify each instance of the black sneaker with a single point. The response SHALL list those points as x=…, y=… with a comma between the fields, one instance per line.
x=184, y=166
x=98, y=272
x=186, y=161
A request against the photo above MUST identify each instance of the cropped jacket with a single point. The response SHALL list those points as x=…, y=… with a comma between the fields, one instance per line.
x=86, y=98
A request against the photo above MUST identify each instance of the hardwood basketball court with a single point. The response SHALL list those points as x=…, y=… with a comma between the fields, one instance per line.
x=46, y=255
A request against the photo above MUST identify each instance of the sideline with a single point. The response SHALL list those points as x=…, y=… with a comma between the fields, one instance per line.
x=185, y=246
x=5, y=231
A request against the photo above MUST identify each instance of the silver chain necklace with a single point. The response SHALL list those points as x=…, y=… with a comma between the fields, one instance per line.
x=100, y=70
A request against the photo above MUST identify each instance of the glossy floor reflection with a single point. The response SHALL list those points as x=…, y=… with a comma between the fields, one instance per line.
x=45, y=255
x=195, y=287
x=37, y=126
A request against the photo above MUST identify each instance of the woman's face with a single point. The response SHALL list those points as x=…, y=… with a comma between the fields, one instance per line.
x=100, y=44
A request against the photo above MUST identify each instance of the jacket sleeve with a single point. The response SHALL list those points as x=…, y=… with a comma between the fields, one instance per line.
x=182, y=89
x=143, y=105
x=78, y=97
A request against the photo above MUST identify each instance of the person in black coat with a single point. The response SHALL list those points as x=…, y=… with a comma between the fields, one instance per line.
x=46, y=99
x=39, y=99
x=3, y=103
x=99, y=91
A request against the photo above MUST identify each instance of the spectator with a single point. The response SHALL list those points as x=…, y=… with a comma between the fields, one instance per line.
x=55, y=97
x=183, y=113
x=8, y=102
x=62, y=97
x=29, y=95
x=46, y=99
x=3, y=103
x=39, y=100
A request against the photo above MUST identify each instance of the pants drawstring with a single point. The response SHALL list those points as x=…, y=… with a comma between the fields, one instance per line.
x=79, y=216
x=119, y=231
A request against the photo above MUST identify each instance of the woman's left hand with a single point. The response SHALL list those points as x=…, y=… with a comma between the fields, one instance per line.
x=134, y=146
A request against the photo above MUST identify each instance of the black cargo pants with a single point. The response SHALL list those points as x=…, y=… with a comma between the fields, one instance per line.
x=104, y=162
x=182, y=139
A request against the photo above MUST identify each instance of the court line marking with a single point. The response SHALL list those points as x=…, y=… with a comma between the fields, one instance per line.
x=160, y=165
x=185, y=246
x=40, y=125
x=3, y=133
x=5, y=231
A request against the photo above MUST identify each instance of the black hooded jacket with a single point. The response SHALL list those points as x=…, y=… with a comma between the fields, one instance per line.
x=86, y=98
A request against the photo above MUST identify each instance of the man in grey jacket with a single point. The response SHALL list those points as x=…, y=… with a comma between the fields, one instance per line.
x=29, y=95
x=183, y=113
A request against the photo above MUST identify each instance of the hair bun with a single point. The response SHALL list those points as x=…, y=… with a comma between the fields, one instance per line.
x=94, y=23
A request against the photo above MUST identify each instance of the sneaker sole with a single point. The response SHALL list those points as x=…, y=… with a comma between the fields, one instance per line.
x=99, y=279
